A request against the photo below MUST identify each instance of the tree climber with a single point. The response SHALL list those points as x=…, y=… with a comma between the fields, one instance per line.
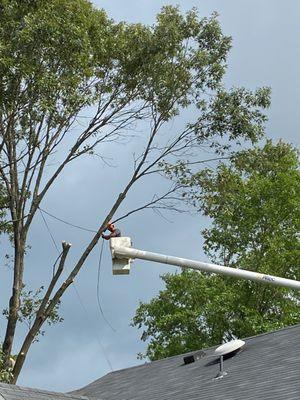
x=114, y=232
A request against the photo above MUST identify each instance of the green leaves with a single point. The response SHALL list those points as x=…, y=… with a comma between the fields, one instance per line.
x=61, y=60
x=189, y=312
x=60, y=56
x=30, y=304
x=5, y=372
x=253, y=202
x=46, y=55
x=235, y=113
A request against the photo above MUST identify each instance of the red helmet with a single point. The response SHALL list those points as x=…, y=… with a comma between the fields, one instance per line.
x=110, y=226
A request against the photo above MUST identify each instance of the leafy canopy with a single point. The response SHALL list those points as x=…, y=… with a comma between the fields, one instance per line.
x=71, y=80
x=254, y=206
x=60, y=56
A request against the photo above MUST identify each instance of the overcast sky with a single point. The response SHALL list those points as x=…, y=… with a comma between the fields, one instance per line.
x=265, y=52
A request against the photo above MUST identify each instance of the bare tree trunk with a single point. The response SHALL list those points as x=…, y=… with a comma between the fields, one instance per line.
x=14, y=302
x=47, y=305
x=41, y=316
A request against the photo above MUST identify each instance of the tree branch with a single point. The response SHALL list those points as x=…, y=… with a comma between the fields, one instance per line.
x=41, y=316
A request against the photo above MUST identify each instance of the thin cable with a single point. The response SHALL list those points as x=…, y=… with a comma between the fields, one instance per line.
x=78, y=295
x=54, y=242
x=49, y=231
x=99, y=266
x=98, y=290
x=54, y=265
x=68, y=223
x=96, y=335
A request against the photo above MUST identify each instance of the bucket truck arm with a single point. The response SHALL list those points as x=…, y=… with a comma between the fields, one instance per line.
x=123, y=254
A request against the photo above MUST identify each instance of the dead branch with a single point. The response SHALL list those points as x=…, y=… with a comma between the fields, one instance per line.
x=41, y=315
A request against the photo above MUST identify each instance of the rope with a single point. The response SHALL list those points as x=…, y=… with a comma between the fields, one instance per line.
x=49, y=231
x=76, y=291
x=98, y=290
x=68, y=223
x=96, y=335
x=54, y=265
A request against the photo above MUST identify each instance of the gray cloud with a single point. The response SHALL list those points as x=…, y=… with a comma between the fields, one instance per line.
x=264, y=52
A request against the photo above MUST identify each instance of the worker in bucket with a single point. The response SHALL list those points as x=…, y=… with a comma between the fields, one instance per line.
x=114, y=232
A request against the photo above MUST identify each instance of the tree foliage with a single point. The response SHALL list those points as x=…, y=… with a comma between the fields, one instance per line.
x=71, y=80
x=5, y=370
x=29, y=305
x=253, y=203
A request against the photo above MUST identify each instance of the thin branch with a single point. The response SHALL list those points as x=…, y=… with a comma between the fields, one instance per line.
x=151, y=204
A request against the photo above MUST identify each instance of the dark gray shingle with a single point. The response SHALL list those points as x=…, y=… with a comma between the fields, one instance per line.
x=267, y=368
x=13, y=392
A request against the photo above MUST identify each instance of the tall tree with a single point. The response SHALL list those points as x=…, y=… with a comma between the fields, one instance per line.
x=253, y=203
x=64, y=59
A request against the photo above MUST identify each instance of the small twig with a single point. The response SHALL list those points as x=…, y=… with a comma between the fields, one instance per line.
x=152, y=204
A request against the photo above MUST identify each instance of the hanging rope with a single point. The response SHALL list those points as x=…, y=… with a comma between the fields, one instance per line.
x=96, y=335
x=49, y=231
x=98, y=289
x=54, y=265
x=67, y=223
x=76, y=291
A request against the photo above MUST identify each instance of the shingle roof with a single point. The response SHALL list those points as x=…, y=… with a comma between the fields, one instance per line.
x=267, y=368
x=13, y=392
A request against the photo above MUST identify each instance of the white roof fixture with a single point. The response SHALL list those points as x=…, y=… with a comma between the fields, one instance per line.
x=229, y=347
x=226, y=350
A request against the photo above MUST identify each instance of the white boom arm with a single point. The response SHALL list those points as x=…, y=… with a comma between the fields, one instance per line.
x=123, y=254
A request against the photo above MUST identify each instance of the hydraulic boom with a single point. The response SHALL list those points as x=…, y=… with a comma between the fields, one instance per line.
x=123, y=254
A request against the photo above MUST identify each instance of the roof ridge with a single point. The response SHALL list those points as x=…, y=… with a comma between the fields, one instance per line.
x=26, y=388
x=274, y=331
x=203, y=349
x=267, y=368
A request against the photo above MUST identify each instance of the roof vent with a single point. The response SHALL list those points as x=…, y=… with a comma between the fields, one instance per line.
x=193, y=357
x=227, y=350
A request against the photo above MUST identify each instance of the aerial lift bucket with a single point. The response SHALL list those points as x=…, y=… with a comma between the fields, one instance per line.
x=120, y=264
